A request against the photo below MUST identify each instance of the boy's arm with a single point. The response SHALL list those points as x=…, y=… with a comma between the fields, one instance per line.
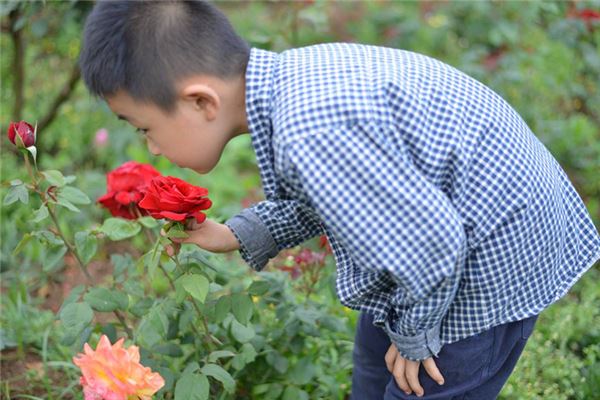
x=388, y=217
x=266, y=228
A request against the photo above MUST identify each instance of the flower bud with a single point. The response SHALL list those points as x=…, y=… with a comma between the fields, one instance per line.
x=21, y=134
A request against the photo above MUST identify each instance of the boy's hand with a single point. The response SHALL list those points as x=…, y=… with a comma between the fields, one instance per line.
x=209, y=235
x=406, y=372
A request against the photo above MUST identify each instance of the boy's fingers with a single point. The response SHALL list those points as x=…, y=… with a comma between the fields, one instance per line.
x=433, y=371
x=399, y=371
x=390, y=358
x=172, y=249
x=412, y=376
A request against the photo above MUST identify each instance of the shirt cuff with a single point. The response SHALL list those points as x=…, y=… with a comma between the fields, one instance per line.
x=424, y=345
x=257, y=245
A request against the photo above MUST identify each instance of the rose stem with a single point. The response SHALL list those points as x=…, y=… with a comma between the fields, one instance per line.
x=150, y=237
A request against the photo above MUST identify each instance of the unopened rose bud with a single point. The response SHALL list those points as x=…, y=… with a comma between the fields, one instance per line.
x=21, y=134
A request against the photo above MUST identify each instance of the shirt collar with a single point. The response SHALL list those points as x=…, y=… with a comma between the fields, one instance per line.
x=259, y=85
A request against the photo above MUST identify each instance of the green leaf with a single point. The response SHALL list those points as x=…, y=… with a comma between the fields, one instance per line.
x=215, y=355
x=24, y=240
x=142, y=307
x=40, y=214
x=196, y=285
x=153, y=326
x=152, y=259
x=119, y=229
x=86, y=245
x=192, y=387
x=148, y=222
x=293, y=393
x=73, y=195
x=61, y=201
x=76, y=316
x=177, y=234
x=242, y=306
x=120, y=263
x=72, y=297
x=106, y=300
x=168, y=349
x=52, y=257
x=303, y=372
x=258, y=288
x=221, y=375
x=222, y=308
x=277, y=361
x=18, y=192
x=240, y=332
x=248, y=352
x=54, y=177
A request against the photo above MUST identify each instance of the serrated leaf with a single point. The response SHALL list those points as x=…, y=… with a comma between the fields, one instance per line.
x=168, y=349
x=241, y=306
x=240, y=332
x=222, y=308
x=177, y=234
x=119, y=229
x=72, y=297
x=215, y=355
x=74, y=195
x=18, y=192
x=258, y=288
x=61, y=201
x=106, y=300
x=148, y=222
x=24, y=240
x=76, y=316
x=52, y=257
x=192, y=387
x=86, y=245
x=54, y=177
x=221, y=375
x=40, y=214
x=195, y=285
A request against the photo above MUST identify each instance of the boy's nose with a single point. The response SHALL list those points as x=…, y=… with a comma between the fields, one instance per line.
x=152, y=148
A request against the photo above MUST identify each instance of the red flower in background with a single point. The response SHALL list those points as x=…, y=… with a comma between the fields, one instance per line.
x=174, y=199
x=126, y=186
x=324, y=244
x=25, y=131
x=587, y=15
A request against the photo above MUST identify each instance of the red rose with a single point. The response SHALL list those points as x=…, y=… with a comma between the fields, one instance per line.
x=25, y=132
x=174, y=199
x=125, y=188
x=587, y=15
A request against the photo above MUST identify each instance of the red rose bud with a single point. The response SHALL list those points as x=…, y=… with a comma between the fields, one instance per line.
x=125, y=188
x=21, y=134
x=174, y=199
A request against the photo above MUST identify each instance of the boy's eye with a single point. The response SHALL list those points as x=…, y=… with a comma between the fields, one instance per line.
x=141, y=131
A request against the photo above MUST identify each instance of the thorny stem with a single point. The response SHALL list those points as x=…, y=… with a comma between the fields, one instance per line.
x=151, y=238
x=210, y=337
x=71, y=248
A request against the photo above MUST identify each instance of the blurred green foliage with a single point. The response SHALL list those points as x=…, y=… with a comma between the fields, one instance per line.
x=541, y=57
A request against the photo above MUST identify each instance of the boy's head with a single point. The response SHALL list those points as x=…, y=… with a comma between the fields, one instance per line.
x=173, y=68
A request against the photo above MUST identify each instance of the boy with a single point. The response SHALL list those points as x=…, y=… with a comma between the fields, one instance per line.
x=452, y=225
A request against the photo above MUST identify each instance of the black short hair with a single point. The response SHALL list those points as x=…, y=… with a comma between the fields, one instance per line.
x=145, y=47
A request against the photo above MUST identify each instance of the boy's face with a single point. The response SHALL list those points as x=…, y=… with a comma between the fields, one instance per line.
x=193, y=136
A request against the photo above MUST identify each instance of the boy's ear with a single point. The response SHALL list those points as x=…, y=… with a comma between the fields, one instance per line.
x=203, y=98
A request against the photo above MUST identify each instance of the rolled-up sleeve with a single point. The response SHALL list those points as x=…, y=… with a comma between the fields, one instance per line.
x=388, y=217
x=267, y=227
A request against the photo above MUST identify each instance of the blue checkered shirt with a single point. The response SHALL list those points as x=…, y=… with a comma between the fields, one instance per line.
x=446, y=215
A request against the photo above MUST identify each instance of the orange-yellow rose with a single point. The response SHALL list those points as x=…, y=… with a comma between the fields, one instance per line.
x=112, y=372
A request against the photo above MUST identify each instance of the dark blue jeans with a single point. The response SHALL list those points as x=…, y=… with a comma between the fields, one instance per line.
x=473, y=368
